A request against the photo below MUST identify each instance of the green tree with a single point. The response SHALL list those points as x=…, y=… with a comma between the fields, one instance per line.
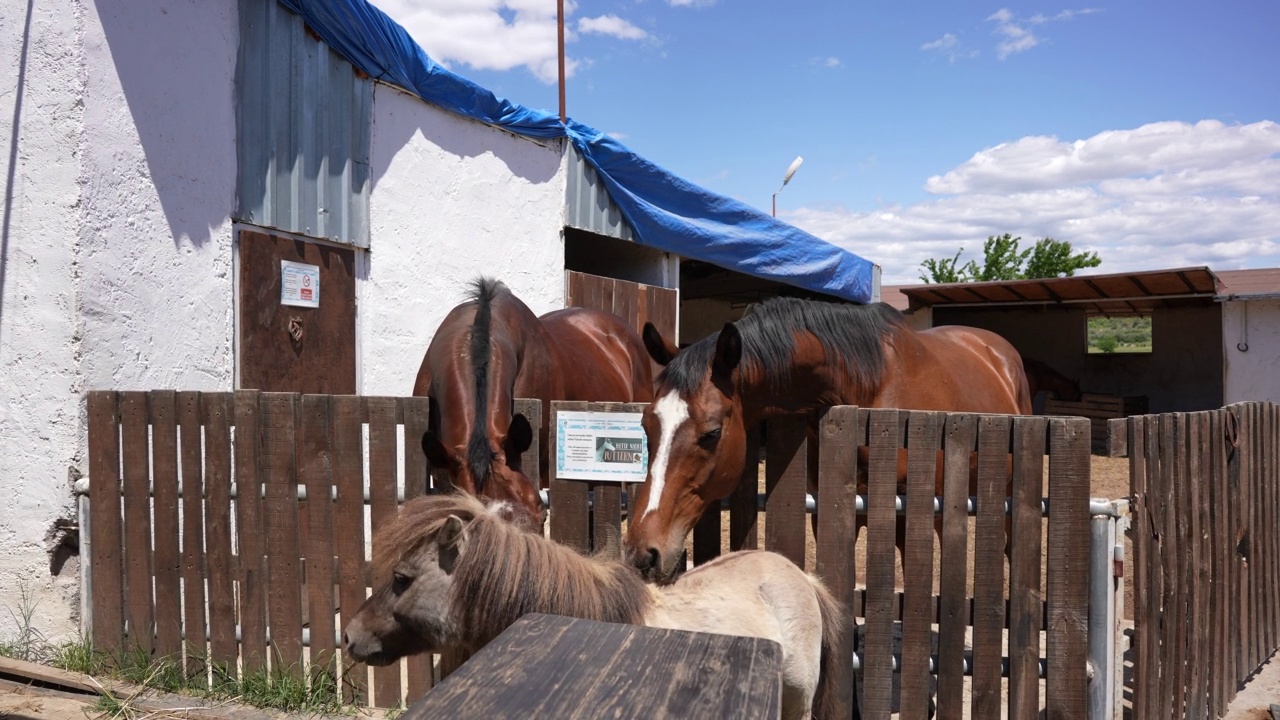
x=1108, y=343
x=1002, y=259
x=943, y=270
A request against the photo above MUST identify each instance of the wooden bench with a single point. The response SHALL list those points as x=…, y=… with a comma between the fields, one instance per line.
x=548, y=666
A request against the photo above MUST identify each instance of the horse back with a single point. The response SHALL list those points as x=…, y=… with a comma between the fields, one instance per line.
x=954, y=368
x=599, y=356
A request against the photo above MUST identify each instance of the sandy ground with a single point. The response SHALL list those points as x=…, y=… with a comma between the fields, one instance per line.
x=1259, y=694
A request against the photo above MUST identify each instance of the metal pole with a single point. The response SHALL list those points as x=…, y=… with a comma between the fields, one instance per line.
x=86, y=561
x=560, y=53
x=1102, y=617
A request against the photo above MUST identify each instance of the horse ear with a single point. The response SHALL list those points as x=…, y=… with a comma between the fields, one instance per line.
x=659, y=348
x=437, y=454
x=520, y=434
x=449, y=540
x=728, y=352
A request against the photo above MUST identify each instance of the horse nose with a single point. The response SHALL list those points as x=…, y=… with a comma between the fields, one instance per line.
x=648, y=560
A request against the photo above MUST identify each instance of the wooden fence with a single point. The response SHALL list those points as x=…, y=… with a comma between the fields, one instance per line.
x=1206, y=546
x=207, y=541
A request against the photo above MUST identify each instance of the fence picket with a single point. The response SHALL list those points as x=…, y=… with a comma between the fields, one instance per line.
x=743, y=510
x=1066, y=688
x=253, y=604
x=880, y=609
x=279, y=443
x=216, y=410
x=165, y=559
x=1029, y=437
x=316, y=473
x=348, y=525
x=382, y=506
x=924, y=441
x=1143, y=644
x=842, y=429
x=785, y=475
x=193, y=565
x=107, y=549
x=415, y=413
x=988, y=567
x=961, y=442
x=137, y=521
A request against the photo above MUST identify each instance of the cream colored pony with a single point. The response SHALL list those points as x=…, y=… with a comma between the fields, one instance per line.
x=459, y=574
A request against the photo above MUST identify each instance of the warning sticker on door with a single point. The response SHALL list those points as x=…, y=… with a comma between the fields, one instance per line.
x=299, y=284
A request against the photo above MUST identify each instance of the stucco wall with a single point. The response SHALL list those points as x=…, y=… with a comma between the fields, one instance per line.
x=42, y=66
x=1254, y=373
x=118, y=263
x=451, y=199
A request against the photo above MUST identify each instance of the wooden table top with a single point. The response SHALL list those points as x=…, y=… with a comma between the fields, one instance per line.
x=548, y=666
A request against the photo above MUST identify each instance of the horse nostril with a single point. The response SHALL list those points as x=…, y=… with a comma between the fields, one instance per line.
x=346, y=642
x=652, y=558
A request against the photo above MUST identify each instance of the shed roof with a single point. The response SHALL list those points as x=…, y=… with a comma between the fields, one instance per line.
x=1250, y=283
x=1116, y=293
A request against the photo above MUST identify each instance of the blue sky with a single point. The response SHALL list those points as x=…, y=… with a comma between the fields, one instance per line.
x=1144, y=131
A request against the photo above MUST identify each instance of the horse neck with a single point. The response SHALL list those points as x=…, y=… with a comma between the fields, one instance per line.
x=812, y=382
x=507, y=573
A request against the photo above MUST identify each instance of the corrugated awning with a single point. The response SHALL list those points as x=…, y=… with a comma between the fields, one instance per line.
x=1138, y=292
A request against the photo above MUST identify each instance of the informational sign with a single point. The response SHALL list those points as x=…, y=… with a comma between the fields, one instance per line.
x=299, y=284
x=601, y=446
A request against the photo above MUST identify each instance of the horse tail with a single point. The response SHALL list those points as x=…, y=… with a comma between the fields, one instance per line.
x=834, y=621
x=479, y=457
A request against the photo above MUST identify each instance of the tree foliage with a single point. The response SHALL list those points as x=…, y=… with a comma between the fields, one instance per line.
x=1003, y=259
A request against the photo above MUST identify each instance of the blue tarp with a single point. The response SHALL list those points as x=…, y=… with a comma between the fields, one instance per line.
x=665, y=211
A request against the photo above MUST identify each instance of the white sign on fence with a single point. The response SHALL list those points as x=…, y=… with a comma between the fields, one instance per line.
x=607, y=446
x=299, y=284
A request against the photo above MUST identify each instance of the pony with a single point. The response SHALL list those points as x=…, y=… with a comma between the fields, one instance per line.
x=492, y=349
x=789, y=355
x=1042, y=377
x=458, y=574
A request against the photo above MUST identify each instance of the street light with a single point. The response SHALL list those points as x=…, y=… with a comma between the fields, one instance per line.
x=795, y=165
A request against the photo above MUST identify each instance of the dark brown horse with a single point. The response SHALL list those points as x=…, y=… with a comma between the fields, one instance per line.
x=789, y=355
x=491, y=350
x=1042, y=377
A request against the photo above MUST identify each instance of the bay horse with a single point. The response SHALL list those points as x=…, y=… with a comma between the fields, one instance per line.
x=458, y=574
x=789, y=355
x=1042, y=377
x=492, y=349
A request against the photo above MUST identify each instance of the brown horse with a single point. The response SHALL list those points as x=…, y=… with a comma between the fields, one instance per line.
x=491, y=350
x=1041, y=376
x=789, y=355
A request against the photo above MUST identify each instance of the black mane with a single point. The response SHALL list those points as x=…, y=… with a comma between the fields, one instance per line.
x=484, y=292
x=850, y=335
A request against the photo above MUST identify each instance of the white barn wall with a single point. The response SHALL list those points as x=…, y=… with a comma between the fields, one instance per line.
x=41, y=422
x=1253, y=374
x=452, y=198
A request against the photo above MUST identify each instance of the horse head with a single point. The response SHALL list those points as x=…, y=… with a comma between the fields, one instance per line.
x=410, y=612
x=697, y=445
x=489, y=467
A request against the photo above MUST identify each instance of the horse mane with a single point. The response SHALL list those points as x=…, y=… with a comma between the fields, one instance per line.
x=484, y=291
x=507, y=572
x=850, y=334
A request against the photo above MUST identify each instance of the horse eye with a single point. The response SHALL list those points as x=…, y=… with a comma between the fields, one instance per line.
x=400, y=582
x=709, y=439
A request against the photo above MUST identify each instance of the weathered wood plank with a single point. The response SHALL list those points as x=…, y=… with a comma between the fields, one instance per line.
x=165, y=560
x=620, y=671
x=1066, y=687
x=606, y=517
x=743, y=507
x=924, y=441
x=382, y=507
x=216, y=409
x=1198, y=565
x=107, y=549
x=192, y=546
x=570, y=508
x=278, y=448
x=316, y=473
x=706, y=535
x=882, y=478
x=348, y=523
x=988, y=567
x=1143, y=548
x=415, y=414
x=253, y=603
x=786, y=473
x=137, y=520
x=961, y=441
x=1029, y=439
x=840, y=429
x=1219, y=499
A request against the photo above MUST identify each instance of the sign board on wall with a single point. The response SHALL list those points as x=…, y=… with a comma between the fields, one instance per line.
x=608, y=446
x=299, y=284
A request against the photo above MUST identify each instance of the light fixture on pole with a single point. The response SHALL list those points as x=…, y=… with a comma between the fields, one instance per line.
x=795, y=165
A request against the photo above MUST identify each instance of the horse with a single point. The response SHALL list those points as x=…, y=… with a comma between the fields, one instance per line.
x=458, y=574
x=492, y=349
x=1042, y=377
x=790, y=355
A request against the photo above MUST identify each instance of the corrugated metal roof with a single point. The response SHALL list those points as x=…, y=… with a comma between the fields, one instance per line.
x=1118, y=292
x=587, y=204
x=1264, y=281
x=303, y=130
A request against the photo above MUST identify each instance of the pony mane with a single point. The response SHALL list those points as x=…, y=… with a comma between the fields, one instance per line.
x=484, y=291
x=850, y=334
x=506, y=572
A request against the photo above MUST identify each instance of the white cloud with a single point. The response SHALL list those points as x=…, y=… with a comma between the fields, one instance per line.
x=691, y=3
x=611, y=25
x=499, y=34
x=946, y=42
x=1017, y=37
x=950, y=46
x=1162, y=195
